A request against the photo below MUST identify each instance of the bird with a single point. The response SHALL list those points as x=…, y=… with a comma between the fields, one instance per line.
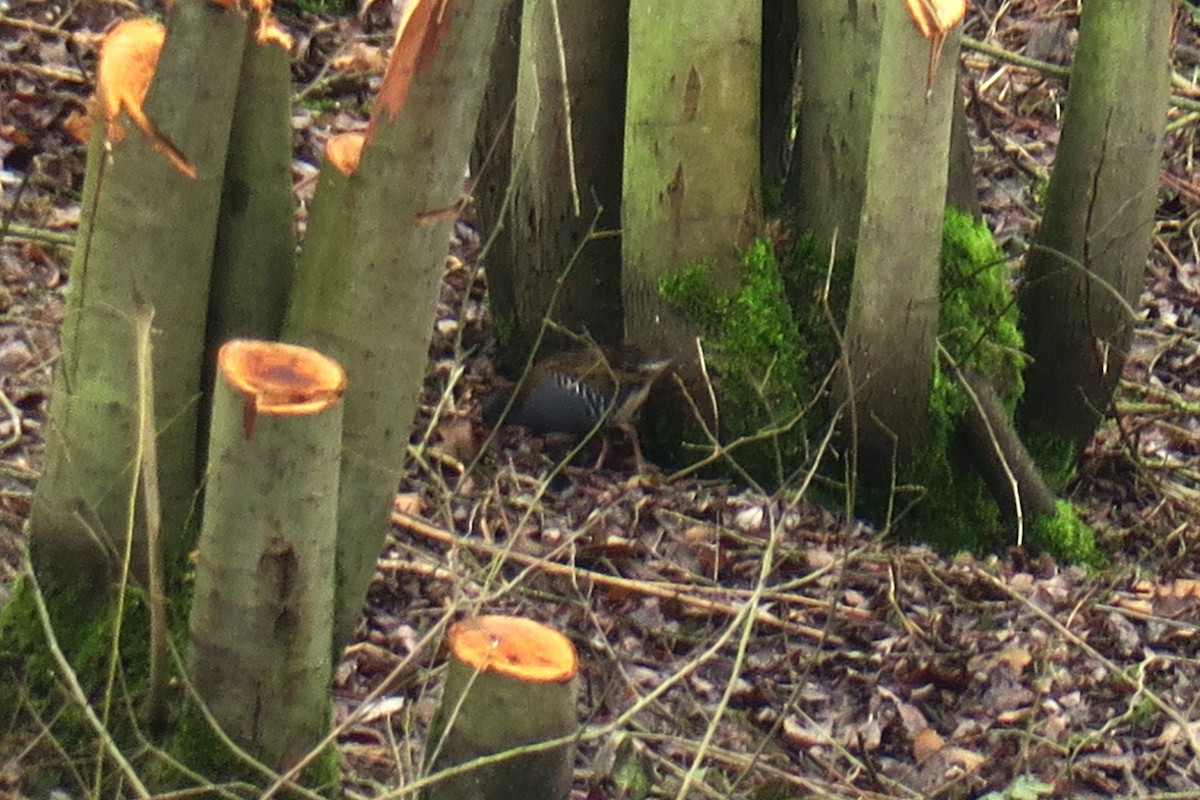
x=579, y=391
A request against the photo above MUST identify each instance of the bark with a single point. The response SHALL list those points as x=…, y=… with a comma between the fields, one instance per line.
x=1085, y=271
x=780, y=46
x=1009, y=471
x=145, y=239
x=892, y=320
x=691, y=169
x=960, y=180
x=839, y=62
x=567, y=150
x=491, y=177
x=367, y=281
x=255, y=254
x=256, y=245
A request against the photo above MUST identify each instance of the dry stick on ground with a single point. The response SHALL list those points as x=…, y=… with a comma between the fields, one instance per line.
x=1064, y=72
x=28, y=233
x=620, y=722
x=666, y=591
x=817, y=787
x=14, y=415
x=1185, y=727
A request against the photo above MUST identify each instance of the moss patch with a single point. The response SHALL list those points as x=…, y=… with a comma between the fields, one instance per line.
x=762, y=360
x=773, y=341
x=1055, y=456
x=197, y=744
x=978, y=318
x=34, y=692
x=1068, y=537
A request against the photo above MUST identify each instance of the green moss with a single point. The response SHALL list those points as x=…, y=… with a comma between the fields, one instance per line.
x=197, y=745
x=1055, y=456
x=978, y=319
x=759, y=353
x=772, y=197
x=1067, y=537
x=201, y=755
x=34, y=690
x=335, y=7
x=773, y=341
x=83, y=633
x=690, y=291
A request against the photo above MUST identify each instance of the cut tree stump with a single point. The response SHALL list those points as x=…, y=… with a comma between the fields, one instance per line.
x=511, y=684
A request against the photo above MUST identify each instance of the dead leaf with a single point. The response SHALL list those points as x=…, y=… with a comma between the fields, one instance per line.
x=409, y=503
x=1016, y=657
x=926, y=743
x=360, y=57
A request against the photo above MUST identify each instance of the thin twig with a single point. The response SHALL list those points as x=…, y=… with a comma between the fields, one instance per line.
x=670, y=591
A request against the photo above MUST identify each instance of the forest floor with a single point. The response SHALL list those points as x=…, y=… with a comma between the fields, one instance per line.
x=731, y=643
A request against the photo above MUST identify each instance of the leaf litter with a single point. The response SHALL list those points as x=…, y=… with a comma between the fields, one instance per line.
x=741, y=644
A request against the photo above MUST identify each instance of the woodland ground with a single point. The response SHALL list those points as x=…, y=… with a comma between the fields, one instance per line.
x=873, y=669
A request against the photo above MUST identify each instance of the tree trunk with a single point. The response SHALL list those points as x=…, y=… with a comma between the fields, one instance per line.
x=145, y=239
x=491, y=176
x=262, y=613
x=892, y=320
x=839, y=65
x=511, y=682
x=1085, y=271
x=256, y=244
x=367, y=282
x=567, y=170
x=780, y=45
x=960, y=176
x=691, y=165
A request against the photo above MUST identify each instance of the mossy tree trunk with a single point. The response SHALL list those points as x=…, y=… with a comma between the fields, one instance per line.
x=892, y=319
x=1086, y=267
x=691, y=168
